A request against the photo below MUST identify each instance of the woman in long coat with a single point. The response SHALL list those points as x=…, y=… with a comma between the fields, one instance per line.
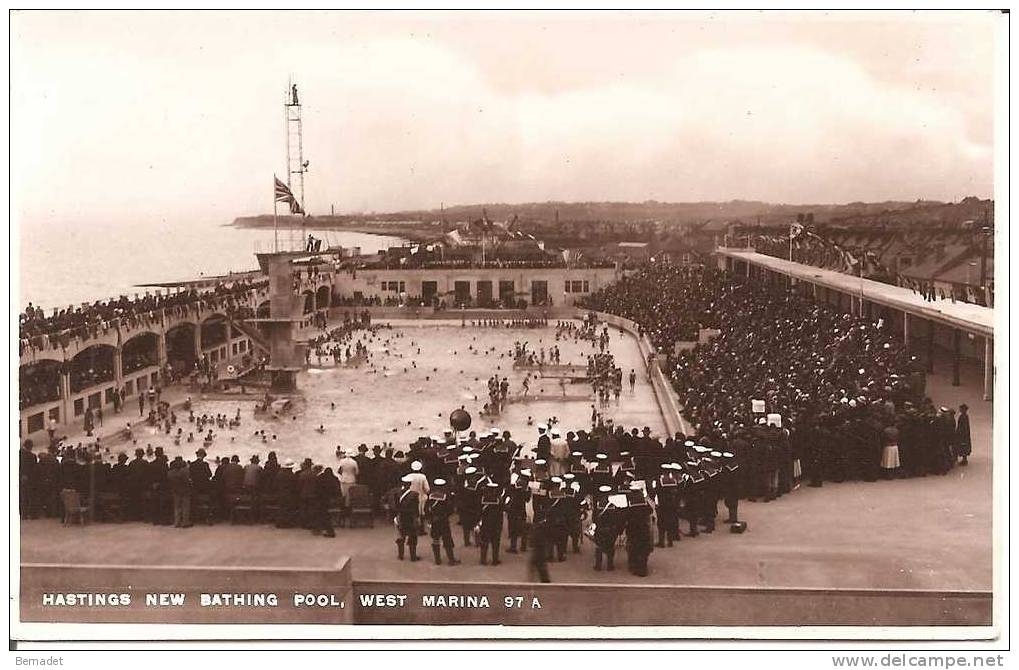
x=963, y=445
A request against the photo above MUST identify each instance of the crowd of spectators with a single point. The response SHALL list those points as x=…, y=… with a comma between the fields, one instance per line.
x=79, y=321
x=842, y=391
x=669, y=302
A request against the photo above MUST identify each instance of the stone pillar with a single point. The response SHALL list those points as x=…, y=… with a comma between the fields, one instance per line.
x=956, y=355
x=118, y=367
x=198, y=339
x=988, y=368
x=905, y=330
x=930, y=346
x=65, y=399
x=161, y=355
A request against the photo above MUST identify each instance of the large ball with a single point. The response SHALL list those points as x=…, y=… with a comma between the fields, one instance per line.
x=459, y=420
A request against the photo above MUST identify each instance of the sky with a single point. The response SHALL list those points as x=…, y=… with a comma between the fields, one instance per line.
x=127, y=117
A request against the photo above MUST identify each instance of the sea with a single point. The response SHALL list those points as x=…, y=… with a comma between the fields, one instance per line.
x=68, y=265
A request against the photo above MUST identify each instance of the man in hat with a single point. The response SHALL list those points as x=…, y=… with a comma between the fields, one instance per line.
x=438, y=509
x=287, y=495
x=575, y=506
x=306, y=492
x=327, y=494
x=490, y=526
x=406, y=519
x=468, y=502
x=364, y=466
x=517, y=497
x=179, y=480
x=348, y=470
x=665, y=489
x=943, y=433
x=639, y=542
x=201, y=473
x=138, y=483
x=27, y=480
x=419, y=483
x=608, y=523
x=556, y=519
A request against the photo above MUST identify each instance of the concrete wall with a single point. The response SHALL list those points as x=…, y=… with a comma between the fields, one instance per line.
x=668, y=401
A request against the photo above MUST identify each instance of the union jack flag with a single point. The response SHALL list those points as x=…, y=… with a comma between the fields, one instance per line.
x=283, y=194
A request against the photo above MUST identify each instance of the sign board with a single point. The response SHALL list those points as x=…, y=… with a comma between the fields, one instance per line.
x=757, y=406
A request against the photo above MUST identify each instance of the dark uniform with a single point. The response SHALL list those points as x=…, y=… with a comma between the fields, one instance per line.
x=438, y=509
x=691, y=495
x=574, y=511
x=490, y=531
x=639, y=543
x=516, y=513
x=730, y=479
x=287, y=496
x=27, y=481
x=608, y=523
x=468, y=503
x=557, y=522
x=666, y=492
x=406, y=521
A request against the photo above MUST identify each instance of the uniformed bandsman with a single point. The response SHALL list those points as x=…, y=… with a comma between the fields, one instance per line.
x=574, y=512
x=438, y=509
x=666, y=492
x=490, y=525
x=608, y=523
x=468, y=501
x=639, y=542
x=517, y=498
x=406, y=520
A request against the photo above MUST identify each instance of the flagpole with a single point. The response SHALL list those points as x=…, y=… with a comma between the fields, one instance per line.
x=275, y=221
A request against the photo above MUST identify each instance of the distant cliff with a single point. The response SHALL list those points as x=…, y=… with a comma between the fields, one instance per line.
x=412, y=230
x=581, y=217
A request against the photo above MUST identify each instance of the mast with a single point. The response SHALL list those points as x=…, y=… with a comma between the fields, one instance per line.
x=296, y=165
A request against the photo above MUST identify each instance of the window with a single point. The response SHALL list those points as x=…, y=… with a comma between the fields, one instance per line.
x=576, y=286
x=586, y=287
x=79, y=406
x=55, y=414
x=128, y=388
x=395, y=286
x=35, y=423
x=109, y=395
x=95, y=401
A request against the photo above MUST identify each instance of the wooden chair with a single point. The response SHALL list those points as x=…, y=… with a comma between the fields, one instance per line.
x=201, y=508
x=243, y=507
x=74, y=510
x=338, y=512
x=359, y=499
x=111, y=507
x=269, y=510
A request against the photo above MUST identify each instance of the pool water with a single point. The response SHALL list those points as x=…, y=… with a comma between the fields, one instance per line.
x=416, y=374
